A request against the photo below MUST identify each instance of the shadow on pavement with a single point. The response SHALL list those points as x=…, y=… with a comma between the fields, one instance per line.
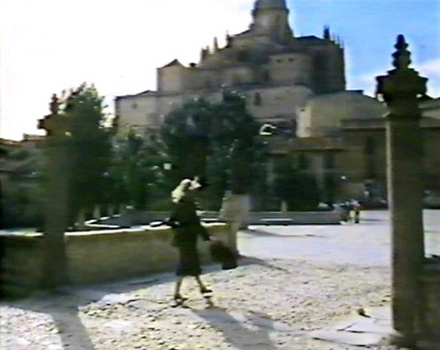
x=235, y=332
x=263, y=233
x=250, y=260
x=64, y=308
x=70, y=325
x=64, y=312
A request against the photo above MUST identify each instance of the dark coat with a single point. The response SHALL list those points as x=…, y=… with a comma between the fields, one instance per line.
x=186, y=223
x=186, y=230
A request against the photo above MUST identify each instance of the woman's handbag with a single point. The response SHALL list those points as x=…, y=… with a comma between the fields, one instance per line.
x=223, y=254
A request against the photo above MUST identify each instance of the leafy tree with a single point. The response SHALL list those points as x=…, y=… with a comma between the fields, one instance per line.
x=89, y=148
x=185, y=135
x=21, y=198
x=136, y=173
x=297, y=189
x=216, y=141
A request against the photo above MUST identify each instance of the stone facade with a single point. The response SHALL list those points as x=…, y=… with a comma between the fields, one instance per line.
x=365, y=153
x=345, y=149
x=276, y=70
x=323, y=115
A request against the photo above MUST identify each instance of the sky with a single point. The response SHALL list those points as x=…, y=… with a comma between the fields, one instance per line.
x=47, y=46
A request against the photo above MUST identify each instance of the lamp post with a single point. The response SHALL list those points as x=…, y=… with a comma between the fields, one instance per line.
x=400, y=89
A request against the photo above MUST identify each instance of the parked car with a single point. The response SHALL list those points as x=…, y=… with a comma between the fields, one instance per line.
x=431, y=200
x=374, y=203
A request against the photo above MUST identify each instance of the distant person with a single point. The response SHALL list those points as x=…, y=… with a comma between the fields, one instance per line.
x=356, y=211
x=187, y=228
x=345, y=206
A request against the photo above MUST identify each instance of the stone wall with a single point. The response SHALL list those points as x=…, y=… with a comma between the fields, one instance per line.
x=95, y=256
x=21, y=264
x=255, y=218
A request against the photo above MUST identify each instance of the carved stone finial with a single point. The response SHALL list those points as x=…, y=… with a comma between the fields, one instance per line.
x=54, y=104
x=401, y=88
x=228, y=39
x=326, y=33
x=402, y=57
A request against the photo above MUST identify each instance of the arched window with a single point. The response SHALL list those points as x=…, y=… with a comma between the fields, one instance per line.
x=236, y=79
x=303, y=162
x=257, y=99
x=266, y=76
x=329, y=160
x=370, y=145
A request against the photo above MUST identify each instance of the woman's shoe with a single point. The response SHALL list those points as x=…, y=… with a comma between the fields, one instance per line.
x=179, y=298
x=205, y=290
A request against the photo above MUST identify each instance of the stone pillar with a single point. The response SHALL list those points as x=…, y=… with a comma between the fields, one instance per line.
x=121, y=209
x=56, y=211
x=80, y=223
x=234, y=211
x=111, y=210
x=97, y=212
x=400, y=90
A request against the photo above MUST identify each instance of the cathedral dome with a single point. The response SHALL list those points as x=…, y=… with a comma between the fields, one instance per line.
x=270, y=4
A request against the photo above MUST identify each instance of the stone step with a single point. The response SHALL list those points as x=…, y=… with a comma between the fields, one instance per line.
x=279, y=221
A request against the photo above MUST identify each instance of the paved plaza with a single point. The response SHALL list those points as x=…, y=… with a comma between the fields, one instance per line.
x=294, y=282
x=366, y=244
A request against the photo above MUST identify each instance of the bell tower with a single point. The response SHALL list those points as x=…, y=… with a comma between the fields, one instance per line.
x=271, y=17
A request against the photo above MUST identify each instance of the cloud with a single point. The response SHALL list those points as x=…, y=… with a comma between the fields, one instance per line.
x=430, y=68
x=51, y=45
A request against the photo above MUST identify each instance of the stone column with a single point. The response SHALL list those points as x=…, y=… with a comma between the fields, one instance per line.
x=56, y=214
x=236, y=202
x=97, y=212
x=400, y=90
x=80, y=223
x=234, y=211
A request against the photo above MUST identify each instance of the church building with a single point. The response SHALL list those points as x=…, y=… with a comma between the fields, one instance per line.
x=298, y=84
x=277, y=71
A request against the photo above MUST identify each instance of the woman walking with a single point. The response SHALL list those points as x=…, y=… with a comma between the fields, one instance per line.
x=187, y=228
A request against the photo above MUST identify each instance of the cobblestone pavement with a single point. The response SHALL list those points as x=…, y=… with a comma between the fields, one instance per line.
x=306, y=279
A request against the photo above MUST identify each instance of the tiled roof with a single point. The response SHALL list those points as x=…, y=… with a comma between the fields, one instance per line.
x=174, y=62
x=309, y=38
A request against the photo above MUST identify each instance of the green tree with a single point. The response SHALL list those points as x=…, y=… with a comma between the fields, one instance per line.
x=89, y=148
x=216, y=141
x=21, y=198
x=136, y=173
x=297, y=189
x=185, y=134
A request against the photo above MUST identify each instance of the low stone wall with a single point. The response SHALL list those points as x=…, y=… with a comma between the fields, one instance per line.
x=296, y=217
x=21, y=264
x=95, y=256
x=254, y=218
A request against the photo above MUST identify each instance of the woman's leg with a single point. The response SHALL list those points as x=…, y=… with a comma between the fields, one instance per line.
x=203, y=288
x=177, y=295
